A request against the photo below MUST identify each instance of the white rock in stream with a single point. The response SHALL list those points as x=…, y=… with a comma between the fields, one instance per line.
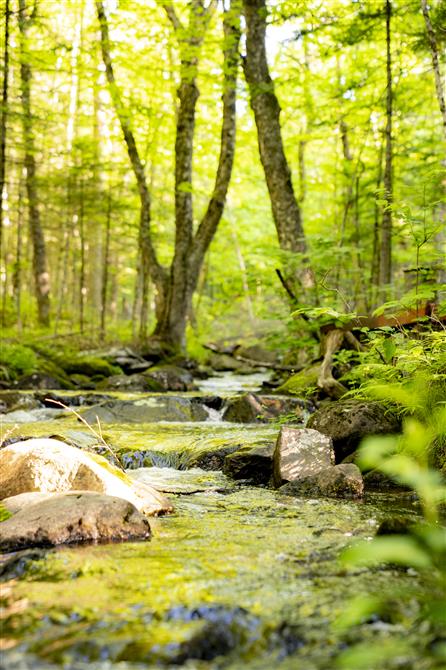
x=51, y=466
x=300, y=453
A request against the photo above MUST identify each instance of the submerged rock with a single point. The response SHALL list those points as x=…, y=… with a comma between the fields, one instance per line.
x=213, y=459
x=223, y=629
x=146, y=410
x=254, y=464
x=347, y=422
x=51, y=466
x=185, y=482
x=13, y=400
x=251, y=408
x=337, y=481
x=75, y=517
x=16, y=565
x=300, y=453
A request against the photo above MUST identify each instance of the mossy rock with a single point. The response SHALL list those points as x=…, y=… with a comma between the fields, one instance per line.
x=90, y=366
x=302, y=383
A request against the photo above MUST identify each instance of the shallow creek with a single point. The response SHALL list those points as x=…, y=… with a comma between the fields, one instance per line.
x=237, y=577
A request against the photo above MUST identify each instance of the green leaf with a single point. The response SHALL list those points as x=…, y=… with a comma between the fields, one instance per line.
x=393, y=549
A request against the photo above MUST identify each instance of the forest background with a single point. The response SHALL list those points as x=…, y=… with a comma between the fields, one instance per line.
x=362, y=122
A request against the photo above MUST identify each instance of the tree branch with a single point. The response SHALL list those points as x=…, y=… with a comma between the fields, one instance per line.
x=173, y=16
x=213, y=214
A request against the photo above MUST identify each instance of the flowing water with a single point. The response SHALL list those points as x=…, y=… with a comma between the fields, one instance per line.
x=238, y=577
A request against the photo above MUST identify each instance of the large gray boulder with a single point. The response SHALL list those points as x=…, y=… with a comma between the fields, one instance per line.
x=76, y=517
x=337, y=481
x=347, y=422
x=300, y=453
x=51, y=466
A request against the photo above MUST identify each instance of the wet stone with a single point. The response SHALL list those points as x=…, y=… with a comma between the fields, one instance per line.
x=338, y=481
x=347, y=422
x=251, y=464
x=146, y=410
x=253, y=408
x=75, y=517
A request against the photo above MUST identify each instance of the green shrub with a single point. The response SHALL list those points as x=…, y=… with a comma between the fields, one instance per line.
x=16, y=360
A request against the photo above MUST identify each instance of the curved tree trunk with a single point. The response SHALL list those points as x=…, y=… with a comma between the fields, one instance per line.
x=190, y=250
x=176, y=289
x=266, y=108
x=41, y=275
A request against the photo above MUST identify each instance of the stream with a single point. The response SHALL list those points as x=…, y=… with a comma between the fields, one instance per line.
x=239, y=576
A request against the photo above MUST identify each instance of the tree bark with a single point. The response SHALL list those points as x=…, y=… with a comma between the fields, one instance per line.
x=326, y=381
x=286, y=212
x=190, y=249
x=105, y=264
x=374, y=273
x=3, y=119
x=435, y=63
x=386, y=226
x=40, y=271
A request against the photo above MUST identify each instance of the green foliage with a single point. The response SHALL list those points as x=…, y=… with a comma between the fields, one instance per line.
x=394, y=357
x=16, y=360
x=406, y=459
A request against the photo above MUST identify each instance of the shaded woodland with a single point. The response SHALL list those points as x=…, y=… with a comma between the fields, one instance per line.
x=161, y=161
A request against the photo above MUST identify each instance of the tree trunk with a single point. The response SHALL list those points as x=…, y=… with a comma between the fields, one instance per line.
x=435, y=62
x=41, y=276
x=3, y=119
x=17, y=273
x=82, y=282
x=374, y=273
x=386, y=226
x=105, y=264
x=175, y=290
x=266, y=108
x=190, y=249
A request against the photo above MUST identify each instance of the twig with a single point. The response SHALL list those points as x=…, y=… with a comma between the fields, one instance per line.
x=8, y=433
x=90, y=428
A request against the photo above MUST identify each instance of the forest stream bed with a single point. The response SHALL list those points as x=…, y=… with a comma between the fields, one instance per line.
x=239, y=576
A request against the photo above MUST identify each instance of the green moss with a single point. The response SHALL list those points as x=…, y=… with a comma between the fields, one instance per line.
x=4, y=513
x=16, y=360
x=90, y=366
x=111, y=468
x=302, y=383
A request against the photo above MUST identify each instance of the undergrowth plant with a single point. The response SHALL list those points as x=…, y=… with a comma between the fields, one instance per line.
x=407, y=459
